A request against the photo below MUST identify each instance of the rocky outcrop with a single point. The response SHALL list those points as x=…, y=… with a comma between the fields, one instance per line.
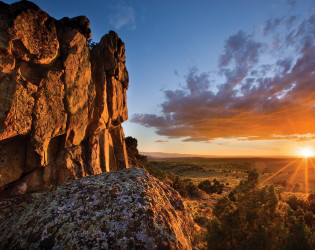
x=134, y=158
x=128, y=209
x=61, y=103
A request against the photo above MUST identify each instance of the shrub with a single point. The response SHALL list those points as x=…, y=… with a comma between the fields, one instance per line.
x=191, y=188
x=156, y=172
x=311, y=200
x=252, y=218
x=296, y=203
x=185, y=187
x=206, y=186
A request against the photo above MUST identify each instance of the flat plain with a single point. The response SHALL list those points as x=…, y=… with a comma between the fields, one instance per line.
x=288, y=175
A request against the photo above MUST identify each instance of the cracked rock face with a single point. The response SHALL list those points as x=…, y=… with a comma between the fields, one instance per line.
x=61, y=103
x=128, y=209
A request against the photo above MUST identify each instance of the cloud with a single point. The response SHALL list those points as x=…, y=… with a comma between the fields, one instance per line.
x=257, y=100
x=240, y=48
x=291, y=2
x=297, y=137
x=123, y=16
x=161, y=141
x=272, y=24
x=241, y=54
x=290, y=21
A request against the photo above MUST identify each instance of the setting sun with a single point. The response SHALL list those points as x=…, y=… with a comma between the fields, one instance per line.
x=306, y=152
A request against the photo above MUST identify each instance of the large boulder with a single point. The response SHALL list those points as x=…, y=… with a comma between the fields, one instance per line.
x=128, y=209
x=61, y=103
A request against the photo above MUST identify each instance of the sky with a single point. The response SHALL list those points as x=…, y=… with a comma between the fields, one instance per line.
x=216, y=77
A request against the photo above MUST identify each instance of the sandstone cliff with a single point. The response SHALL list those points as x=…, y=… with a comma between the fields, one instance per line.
x=61, y=104
x=128, y=209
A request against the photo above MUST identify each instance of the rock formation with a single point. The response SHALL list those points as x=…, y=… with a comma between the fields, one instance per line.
x=128, y=209
x=134, y=158
x=61, y=103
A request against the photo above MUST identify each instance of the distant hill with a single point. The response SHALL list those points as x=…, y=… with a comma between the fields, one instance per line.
x=153, y=155
x=173, y=155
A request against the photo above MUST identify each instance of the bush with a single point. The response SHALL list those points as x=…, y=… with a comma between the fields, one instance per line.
x=311, y=200
x=206, y=186
x=185, y=187
x=191, y=188
x=91, y=44
x=296, y=203
x=252, y=218
x=156, y=172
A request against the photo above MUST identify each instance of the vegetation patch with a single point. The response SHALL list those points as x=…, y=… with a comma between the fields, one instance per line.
x=246, y=215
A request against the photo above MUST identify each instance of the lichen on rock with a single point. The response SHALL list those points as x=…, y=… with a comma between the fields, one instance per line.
x=128, y=209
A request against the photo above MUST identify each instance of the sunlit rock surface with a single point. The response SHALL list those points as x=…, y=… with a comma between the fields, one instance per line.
x=61, y=102
x=128, y=209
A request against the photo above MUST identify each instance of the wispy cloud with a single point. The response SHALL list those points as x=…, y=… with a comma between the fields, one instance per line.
x=291, y=2
x=123, y=15
x=271, y=25
x=259, y=99
x=161, y=141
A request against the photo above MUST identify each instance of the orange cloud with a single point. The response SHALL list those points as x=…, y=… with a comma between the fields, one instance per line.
x=256, y=102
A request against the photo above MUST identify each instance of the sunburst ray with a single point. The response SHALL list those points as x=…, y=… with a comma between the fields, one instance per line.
x=312, y=163
x=306, y=176
x=295, y=172
x=280, y=170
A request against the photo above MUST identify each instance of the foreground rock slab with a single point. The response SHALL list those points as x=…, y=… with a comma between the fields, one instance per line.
x=128, y=209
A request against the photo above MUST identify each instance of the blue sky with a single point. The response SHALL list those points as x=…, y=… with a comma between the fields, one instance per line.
x=185, y=55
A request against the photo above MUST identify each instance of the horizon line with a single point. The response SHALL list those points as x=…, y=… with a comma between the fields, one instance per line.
x=219, y=156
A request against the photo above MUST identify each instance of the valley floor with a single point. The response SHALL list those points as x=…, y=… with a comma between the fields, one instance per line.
x=289, y=177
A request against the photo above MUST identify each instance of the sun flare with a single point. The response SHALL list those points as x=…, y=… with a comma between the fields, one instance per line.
x=306, y=152
x=299, y=167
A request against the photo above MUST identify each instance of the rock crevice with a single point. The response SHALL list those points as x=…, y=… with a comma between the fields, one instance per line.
x=61, y=103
